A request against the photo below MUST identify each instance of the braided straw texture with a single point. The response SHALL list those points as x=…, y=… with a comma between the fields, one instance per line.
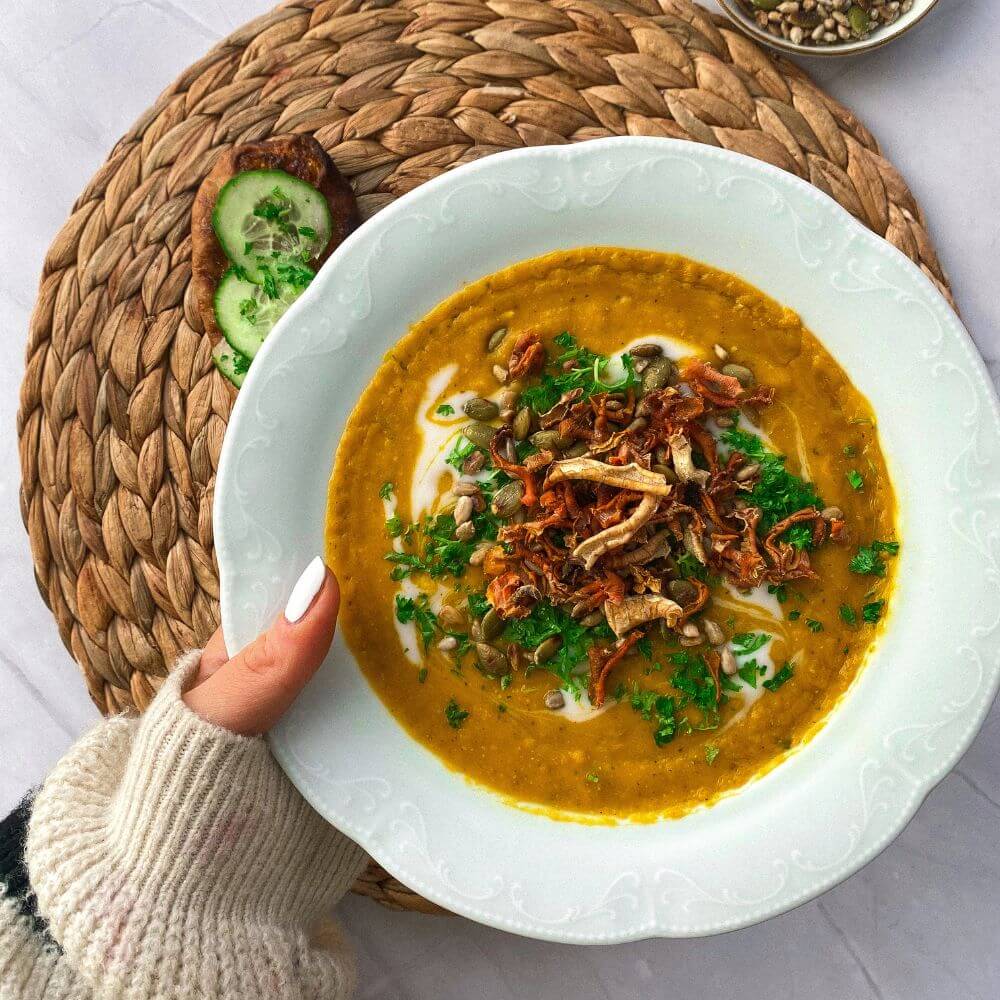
x=122, y=413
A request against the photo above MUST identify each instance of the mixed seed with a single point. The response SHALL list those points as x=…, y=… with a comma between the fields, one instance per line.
x=824, y=22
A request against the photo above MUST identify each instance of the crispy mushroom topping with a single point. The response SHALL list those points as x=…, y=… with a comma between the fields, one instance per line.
x=590, y=550
x=639, y=610
x=528, y=356
x=680, y=452
x=625, y=477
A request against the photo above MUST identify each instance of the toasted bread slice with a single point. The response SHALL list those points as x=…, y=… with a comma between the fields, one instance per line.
x=299, y=155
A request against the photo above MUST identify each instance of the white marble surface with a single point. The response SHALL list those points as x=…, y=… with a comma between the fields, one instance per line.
x=922, y=919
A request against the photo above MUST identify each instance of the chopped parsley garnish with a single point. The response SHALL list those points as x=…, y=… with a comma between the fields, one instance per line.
x=688, y=567
x=547, y=620
x=418, y=612
x=868, y=560
x=587, y=375
x=248, y=310
x=421, y=675
x=778, y=493
x=813, y=625
x=694, y=681
x=749, y=642
x=784, y=674
x=460, y=452
x=385, y=491
x=872, y=612
x=593, y=778
x=750, y=671
x=445, y=410
x=455, y=714
x=478, y=605
x=856, y=480
x=711, y=752
x=794, y=616
x=433, y=549
x=780, y=592
x=848, y=614
x=850, y=451
x=241, y=363
x=307, y=231
x=394, y=526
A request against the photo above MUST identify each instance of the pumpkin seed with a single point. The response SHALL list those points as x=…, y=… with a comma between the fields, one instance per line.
x=576, y=450
x=479, y=434
x=766, y=4
x=466, y=488
x=741, y=373
x=522, y=423
x=547, y=440
x=682, y=591
x=491, y=625
x=747, y=472
x=592, y=620
x=547, y=649
x=656, y=376
x=554, y=699
x=451, y=619
x=858, y=19
x=507, y=499
x=649, y=350
x=479, y=554
x=491, y=661
x=496, y=339
x=664, y=470
x=481, y=409
x=448, y=644
x=474, y=463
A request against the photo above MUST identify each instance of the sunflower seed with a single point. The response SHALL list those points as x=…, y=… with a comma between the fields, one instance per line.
x=496, y=339
x=554, y=699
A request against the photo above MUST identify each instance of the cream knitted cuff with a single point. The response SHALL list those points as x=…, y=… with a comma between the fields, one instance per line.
x=175, y=859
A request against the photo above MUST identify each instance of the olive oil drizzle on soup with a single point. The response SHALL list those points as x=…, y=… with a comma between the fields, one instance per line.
x=618, y=719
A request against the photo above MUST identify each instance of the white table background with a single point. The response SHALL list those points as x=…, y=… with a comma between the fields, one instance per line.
x=921, y=920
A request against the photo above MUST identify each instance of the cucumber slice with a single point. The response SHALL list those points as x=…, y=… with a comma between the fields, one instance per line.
x=232, y=364
x=267, y=219
x=245, y=312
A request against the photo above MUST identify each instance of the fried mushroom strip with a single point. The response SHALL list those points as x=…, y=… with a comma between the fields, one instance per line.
x=591, y=549
x=602, y=662
x=624, y=477
x=528, y=356
x=639, y=610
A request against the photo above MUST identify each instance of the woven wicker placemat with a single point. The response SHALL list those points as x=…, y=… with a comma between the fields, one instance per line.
x=122, y=414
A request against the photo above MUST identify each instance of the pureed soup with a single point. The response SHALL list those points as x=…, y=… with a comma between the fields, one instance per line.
x=614, y=532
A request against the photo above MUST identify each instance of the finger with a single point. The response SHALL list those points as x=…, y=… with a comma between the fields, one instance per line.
x=212, y=657
x=250, y=692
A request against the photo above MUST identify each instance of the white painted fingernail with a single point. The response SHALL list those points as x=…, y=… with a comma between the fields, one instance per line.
x=306, y=588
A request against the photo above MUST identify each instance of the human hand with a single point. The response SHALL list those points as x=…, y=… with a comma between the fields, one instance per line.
x=249, y=692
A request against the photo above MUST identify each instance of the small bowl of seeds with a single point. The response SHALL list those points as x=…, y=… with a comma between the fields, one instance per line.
x=826, y=27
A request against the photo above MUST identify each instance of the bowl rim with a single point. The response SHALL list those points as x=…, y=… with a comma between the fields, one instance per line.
x=742, y=20
x=302, y=772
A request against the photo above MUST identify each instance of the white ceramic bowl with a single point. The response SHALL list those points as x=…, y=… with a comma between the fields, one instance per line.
x=878, y=38
x=834, y=804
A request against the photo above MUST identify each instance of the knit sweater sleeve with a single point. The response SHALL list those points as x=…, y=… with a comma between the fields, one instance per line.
x=173, y=859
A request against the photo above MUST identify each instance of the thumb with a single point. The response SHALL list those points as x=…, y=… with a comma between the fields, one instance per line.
x=249, y=693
